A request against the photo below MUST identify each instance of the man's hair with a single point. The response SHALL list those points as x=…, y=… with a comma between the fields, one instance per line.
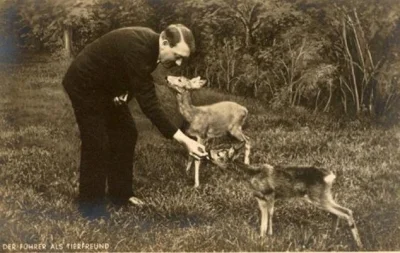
x=172, y=35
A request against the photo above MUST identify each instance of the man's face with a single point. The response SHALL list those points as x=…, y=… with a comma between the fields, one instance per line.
x=173, y=56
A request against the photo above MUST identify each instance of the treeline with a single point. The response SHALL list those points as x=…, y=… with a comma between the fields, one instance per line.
x=329, y=56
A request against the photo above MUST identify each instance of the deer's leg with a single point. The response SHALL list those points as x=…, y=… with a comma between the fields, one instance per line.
x=247, y=150
x=350, y=221
x=329, y=205
x=271, y=201
x=263, y=205
x=336, y=219
x=189, y=163
x=335, y=224
x=238, y=134
x=196, y=173
x=197, y=166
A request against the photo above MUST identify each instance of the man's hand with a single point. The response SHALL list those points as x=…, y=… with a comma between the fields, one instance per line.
x=194, y=148
x=121, y=99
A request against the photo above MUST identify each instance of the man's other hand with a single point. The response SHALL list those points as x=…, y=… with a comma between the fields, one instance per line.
x=122, y=99
x=195, y=149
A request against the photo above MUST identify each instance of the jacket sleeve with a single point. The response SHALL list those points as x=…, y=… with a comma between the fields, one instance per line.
x=150, y=105
x=141, y=85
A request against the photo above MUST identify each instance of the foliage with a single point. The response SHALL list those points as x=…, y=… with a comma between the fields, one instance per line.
x=42, y=23
x=338, y=56
x=108, y=15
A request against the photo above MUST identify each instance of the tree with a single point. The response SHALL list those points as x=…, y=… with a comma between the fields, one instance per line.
x=50, y=23
x=362, y=35
x=363, y=50
x=108, y=15
x=8, y=35
x=248, y=15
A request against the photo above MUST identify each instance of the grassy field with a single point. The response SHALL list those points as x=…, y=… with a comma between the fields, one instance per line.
x=39, y=154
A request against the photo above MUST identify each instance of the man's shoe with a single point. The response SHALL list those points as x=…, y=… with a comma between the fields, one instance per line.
x=136, y=202
x=93, y=210
x=126, y=202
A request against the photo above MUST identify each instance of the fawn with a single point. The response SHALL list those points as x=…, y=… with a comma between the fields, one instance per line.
x=209, y=121
x=269, y=183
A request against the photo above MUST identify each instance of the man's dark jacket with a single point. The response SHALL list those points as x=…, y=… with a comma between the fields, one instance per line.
x=119, y=62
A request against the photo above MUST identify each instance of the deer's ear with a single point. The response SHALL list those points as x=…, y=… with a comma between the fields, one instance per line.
x=202, y=83
x=197, y=83
x=195, y=79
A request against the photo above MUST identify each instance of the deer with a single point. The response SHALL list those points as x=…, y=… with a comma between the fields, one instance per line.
x=270, y=183
x=208, y=121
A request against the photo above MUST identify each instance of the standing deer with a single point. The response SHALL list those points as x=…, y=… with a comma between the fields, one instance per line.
x=270, y=183
x=210, y=121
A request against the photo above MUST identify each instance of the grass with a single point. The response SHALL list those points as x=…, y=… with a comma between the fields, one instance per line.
x=39, y=154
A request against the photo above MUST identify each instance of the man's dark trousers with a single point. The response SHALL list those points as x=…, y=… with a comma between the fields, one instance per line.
x=108, y=134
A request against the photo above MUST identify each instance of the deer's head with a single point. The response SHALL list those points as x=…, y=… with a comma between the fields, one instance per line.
x=181, y=83
x=224, y=156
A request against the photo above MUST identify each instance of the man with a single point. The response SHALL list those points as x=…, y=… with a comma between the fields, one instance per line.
x=100, y=81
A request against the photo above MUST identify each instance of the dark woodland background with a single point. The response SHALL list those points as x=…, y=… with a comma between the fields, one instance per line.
x=337, y=56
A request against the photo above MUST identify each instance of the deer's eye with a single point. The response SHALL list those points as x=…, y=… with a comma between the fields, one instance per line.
x=180, y=80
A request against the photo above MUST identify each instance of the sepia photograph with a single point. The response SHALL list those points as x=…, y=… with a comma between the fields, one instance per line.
x=199, y=125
